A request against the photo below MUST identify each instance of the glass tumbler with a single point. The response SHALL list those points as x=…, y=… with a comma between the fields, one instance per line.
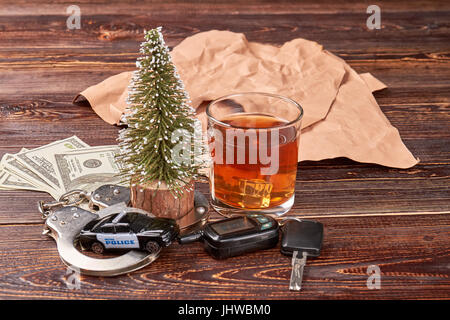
x=253, y=140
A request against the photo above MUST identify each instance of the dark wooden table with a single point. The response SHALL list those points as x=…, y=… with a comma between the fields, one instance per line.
x=396, y=219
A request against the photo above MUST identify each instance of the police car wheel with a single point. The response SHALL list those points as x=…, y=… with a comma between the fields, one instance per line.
x=152, y=246
x=97, y=247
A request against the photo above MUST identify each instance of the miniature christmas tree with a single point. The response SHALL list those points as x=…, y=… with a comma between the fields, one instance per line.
x=158, y=111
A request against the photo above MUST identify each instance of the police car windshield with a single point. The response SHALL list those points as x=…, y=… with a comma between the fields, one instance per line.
x=103, y=221
x=135, y=220
x=119, y=217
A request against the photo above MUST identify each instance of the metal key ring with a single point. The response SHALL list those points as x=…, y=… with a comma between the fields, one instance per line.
x=283, y=221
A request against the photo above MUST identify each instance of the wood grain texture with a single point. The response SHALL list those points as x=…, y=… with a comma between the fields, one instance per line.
x=396, y=219
x=161, y=202
x=413, y=264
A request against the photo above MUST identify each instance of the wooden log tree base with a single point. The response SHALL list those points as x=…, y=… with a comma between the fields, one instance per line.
x=160, y=201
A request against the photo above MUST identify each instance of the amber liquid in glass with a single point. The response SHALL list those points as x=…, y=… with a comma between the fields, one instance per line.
x=244, y=185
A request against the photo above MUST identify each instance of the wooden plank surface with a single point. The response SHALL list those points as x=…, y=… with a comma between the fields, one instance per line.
x=413, y=265
x=396, y=219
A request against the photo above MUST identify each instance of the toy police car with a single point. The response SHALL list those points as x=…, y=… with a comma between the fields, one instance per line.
x=128, y=230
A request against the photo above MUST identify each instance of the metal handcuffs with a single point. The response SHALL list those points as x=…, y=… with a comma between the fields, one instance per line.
x=64, y=221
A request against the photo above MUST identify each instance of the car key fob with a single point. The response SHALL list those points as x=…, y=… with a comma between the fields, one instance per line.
x=237, y=235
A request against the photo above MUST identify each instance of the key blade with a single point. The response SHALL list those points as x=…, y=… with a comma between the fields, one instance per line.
x=294, y=258
x=298, y=265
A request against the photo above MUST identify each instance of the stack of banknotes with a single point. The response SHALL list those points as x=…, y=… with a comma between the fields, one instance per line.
x=60, y=167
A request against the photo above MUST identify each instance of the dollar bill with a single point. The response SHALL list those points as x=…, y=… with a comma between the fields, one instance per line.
x=88, y=168
x=15, y=181
x=11, y=182
x=59, y=167
x=13, y=166
x=2, y=173
x=12, y=179
x=42, y=161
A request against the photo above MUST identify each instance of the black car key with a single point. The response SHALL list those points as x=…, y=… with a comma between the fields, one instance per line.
x=300, y=238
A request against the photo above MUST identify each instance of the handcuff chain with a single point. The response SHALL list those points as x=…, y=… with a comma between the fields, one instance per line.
x=45, y=208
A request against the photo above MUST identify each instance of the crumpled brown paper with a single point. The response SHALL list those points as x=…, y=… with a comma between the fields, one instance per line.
x=341, y=116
